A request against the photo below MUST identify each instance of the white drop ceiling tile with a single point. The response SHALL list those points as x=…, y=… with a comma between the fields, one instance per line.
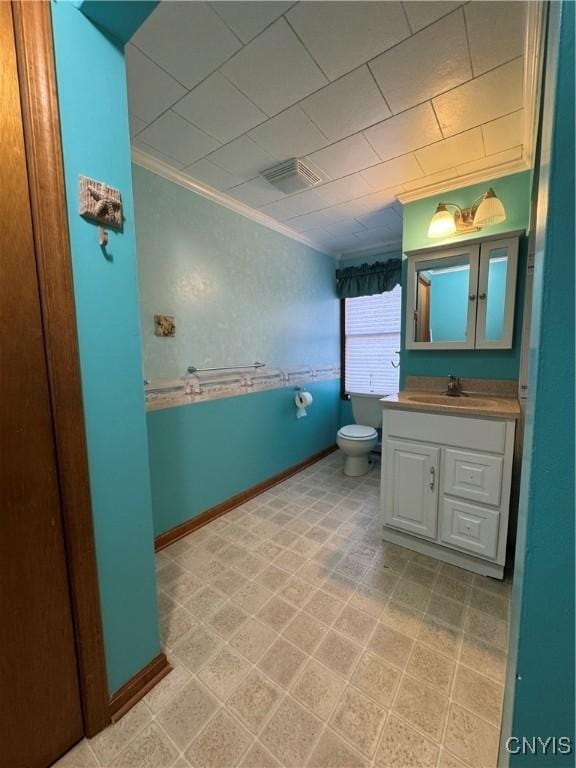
x=396, y=228
x=208, y=173
x=218, y=108
x=242, y=157
x=347, y=227
x=457, y=150
x=341, y=190
x=410, y=130
x=306, y=202
x=386, y=217
x=255, y=193
x=493, y=161
x=421, y=13
x=297, y=205
x=393, y=172
x=496, y=32
x=485, y=98
x=306, y=221
x=434, y=178
x=343, y=35
x=177, y=138
x=430, y=62
x=503, y=133
x=275, y=70
x=136, y=125
x=375, y=236
x=345, y=157
x=378, y=200
x=344, y=211
x=151, y=91
x=290, y=134
x=248, y=19
x=187, y=39
x=347, y=106
x=137, y=143
x=282, y=211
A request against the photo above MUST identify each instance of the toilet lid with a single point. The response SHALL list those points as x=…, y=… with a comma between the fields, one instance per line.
x=357, y=432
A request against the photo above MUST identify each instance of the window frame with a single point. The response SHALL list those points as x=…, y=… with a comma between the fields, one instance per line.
x=343, y=394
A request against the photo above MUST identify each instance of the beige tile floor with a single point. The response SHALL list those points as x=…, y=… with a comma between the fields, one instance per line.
x=299, y=639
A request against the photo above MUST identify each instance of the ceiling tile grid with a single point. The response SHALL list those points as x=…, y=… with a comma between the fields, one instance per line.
x=383, y=98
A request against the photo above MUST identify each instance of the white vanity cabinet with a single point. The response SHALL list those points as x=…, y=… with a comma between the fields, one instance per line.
x=446, y=486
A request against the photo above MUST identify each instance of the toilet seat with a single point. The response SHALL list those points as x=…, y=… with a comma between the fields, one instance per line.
x=357, y=432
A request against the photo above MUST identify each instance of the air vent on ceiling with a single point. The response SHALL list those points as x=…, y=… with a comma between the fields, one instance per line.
x=293, y=176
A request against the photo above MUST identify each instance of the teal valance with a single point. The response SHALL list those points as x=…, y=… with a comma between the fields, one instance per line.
x=368, y=279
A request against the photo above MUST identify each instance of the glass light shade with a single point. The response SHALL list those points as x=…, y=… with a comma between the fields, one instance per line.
x=490, y=211
x=442, y=224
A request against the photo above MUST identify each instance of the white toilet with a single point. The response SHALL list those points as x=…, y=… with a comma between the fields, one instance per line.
x=357, y=440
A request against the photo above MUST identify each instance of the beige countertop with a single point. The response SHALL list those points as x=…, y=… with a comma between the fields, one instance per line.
x=468, y=404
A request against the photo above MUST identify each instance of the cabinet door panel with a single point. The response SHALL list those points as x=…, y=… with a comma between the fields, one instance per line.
x=496, y=294
x=411, y=487
x=469, y=527
x=474, y=476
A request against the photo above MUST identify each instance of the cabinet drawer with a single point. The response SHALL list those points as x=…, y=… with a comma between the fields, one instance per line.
x=471, y=528
x=461, y=431
x=474, y=476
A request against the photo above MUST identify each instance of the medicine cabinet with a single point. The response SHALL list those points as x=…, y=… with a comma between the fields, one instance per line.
x=462, y=297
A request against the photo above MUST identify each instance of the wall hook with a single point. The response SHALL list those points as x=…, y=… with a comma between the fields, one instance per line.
x=102, y=236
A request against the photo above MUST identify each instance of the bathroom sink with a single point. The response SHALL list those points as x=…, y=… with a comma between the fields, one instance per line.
x=475, y=404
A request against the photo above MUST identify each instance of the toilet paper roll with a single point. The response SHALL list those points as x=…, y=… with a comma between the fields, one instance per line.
x=302, y=401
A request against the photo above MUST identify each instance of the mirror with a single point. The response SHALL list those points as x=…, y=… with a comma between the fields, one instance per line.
x=495, y=296
x=462, y=298
x=442, y=301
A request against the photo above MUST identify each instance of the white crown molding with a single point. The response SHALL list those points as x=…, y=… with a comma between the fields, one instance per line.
x=448, y=185
x=177, y=177
x=371, y=250
x=533, y=69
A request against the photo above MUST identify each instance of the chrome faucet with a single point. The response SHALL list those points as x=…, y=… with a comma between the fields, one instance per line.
x=454, y=386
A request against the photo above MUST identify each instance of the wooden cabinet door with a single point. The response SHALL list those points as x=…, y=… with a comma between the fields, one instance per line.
x=40, y=709
x=411, y=487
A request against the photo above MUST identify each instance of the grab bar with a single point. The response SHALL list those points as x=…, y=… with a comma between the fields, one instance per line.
x=193, y=369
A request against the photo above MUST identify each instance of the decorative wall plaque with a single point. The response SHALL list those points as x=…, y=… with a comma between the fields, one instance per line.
x=100, y=203
x=164, y=325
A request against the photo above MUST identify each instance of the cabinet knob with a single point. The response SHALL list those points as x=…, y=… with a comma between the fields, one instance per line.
x=482, y=296
x=472, y=296
x=432, y=478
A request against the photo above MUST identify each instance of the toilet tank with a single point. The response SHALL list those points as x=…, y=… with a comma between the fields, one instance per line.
x=367, y=410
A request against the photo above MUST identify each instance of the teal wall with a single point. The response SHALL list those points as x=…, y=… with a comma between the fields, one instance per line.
x=94, y=123
x=540, y=686
x=514, y=191
x=204, y=453
x=119, y=19
x=240, y=291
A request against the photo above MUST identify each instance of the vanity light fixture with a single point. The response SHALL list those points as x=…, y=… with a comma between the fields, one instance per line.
x=485, y=211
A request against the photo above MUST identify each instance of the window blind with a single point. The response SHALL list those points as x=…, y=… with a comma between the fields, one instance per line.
x=372, y=338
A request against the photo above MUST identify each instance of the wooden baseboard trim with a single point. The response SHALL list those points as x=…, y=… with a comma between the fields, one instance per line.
x=138, y=686
x=169, y=537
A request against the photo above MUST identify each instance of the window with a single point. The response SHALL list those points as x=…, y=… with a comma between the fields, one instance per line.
x=371, y=343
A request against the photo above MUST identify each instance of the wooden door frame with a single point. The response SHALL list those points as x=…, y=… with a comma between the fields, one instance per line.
x=39, y=99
